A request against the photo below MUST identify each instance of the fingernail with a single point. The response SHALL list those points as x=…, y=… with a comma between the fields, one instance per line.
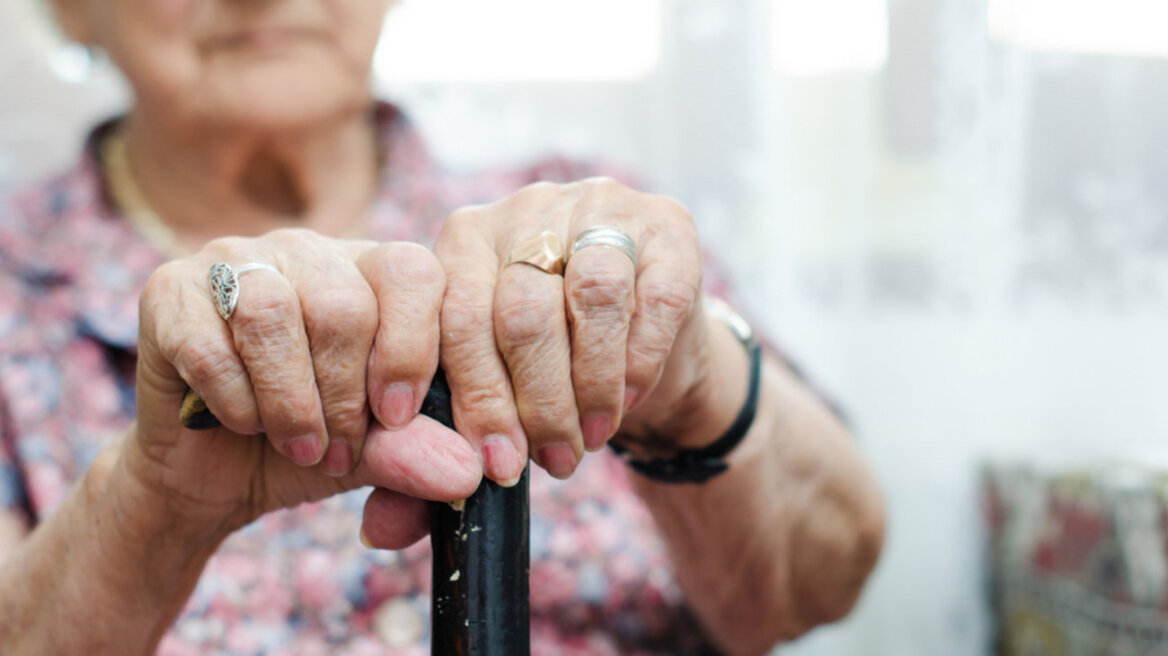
x=338, y=459
x=304, y=450
x=558, y=459
x=632, y=395
x=597, y=428
x=365, y=539
x=397, y=405
x=501, y=460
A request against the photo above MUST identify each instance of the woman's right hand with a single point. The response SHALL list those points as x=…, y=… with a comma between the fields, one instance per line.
x=344, y=326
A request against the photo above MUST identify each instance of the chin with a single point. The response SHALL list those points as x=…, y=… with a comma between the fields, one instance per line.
x=283, y=95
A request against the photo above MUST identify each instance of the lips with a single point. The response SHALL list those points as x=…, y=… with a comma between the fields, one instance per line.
x=264, y=38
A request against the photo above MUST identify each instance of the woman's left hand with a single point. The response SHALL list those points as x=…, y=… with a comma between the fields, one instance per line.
x=552, y=365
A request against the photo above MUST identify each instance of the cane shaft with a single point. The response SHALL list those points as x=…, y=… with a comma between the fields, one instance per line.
x=479, y=603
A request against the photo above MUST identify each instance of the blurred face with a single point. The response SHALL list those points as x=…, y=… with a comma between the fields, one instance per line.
x=261, y=64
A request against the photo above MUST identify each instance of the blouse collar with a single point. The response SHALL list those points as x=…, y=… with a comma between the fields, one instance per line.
x=65, y=235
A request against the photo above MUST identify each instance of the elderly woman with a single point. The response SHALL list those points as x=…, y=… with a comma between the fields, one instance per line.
x=253, y=142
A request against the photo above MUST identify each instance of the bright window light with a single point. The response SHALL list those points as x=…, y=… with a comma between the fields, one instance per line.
x=520, y=40
x=1126, y=27
x=819, y=37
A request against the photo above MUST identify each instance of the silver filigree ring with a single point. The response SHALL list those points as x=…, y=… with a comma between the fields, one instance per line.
x=225, y=284
x=605, y=235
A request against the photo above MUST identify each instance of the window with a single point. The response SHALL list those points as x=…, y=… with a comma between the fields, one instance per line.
x=817, y=37
x=1127, y=27
x=520, y=40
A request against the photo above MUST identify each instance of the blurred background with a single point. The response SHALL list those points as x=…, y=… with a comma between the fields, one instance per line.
x=953, y=213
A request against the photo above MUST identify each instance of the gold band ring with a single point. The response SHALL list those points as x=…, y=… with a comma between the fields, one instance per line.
x=544, y=252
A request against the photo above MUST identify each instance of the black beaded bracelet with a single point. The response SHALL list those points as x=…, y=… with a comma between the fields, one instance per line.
x=700, y=465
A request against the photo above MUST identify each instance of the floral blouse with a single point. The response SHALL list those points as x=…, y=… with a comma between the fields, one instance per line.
x=297, y=581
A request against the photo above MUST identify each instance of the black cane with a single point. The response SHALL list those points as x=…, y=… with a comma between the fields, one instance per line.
x=479, y=601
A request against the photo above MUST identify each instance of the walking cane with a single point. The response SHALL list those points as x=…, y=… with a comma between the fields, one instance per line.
x=479, y=603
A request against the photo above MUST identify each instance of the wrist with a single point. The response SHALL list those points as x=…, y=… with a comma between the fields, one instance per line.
x=714, y=412
x=713, y=403
x=147, y=482
x=104, y=555
x=146, y=547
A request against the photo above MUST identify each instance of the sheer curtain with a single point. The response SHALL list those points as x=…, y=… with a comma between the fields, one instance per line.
x=948, y=210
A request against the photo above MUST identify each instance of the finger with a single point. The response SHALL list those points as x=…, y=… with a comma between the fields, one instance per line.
x=393, y=521
x=408, y=283
x=269, y=334
x=532, y=334
x=668, y=283
x=599, y=285
x=423, y=459
x=183, y=335
x=481, y=394
x=340, y=321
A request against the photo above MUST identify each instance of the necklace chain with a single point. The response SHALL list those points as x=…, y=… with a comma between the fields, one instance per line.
x=128, y=197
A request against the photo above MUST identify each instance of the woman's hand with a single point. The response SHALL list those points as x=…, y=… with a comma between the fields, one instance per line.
x=551, y=365
x=290, y=375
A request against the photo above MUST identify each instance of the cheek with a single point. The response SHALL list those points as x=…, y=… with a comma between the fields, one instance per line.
x=175, y=13
x=152, y=41
x=359, y=28
x=157, y=20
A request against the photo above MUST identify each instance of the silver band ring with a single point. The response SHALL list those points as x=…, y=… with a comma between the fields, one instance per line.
x=225, y=284
x=605, y=235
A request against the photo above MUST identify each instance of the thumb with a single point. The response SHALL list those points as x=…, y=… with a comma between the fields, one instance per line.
x=423, y=459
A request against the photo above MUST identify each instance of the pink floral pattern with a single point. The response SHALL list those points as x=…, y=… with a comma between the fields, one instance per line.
x=296, y=582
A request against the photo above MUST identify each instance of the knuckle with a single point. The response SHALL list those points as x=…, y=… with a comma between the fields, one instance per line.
x=349, y=410
x=221, y=246
x=414, y=264
x=549, y=421
x=201, y=360
x=669, y=301
x=601, y=291
x=465, y=317
x=463, y=218
x=293, y=412
x=481, y=399
x=407, y=352
x=159, y=291
x=675, y=209
x=542, y=198
x=647, y=355
x=521, y=314
x=265, y=314
x=594, y=363
x=338, y=376
x=164, y=277
x=292, y=238
x=676, y=224
x=603, y=184
x=341, y=315
x=485, y=397
x=646, y=361
x=540, y=188
x=290, y=408
x=460, y=230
